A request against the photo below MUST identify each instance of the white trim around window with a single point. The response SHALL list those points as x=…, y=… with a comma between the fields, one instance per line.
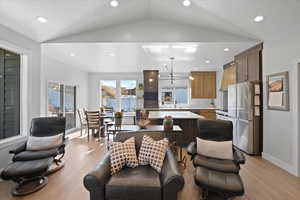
x=25, y=56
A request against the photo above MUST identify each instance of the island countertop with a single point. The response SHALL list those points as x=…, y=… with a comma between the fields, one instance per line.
x=181, y=108
x=174, y=114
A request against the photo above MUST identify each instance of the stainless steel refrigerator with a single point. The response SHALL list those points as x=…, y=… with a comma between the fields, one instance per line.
x=244, y=105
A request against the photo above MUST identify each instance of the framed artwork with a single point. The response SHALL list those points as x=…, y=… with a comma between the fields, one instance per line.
x=278, y=91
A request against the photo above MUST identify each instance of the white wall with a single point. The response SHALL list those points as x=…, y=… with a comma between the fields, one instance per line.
x=53, y=70
x=281, y=128
x=16, y=42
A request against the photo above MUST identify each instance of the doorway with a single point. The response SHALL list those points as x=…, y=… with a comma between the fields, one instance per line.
x=61, y=102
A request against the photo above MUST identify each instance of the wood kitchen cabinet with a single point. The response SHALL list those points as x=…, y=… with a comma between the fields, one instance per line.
x=151, y=88
x=229, y=75
x=242, y=68
x=203, y=85
x=249, y=64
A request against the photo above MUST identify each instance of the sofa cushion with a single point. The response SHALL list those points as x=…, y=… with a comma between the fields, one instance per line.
x=35, y=155
x=215, y=149
x=141, y=183
x=153, y=152
x=44, y=143
x=216, y=164
x=138, y=135
x=123, y=153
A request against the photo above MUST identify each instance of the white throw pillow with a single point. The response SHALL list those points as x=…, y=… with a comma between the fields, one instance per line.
x=220, y=150
x=44, y=143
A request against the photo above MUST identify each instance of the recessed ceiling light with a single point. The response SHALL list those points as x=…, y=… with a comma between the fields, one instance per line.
x=41, y=19
x=226, y=49
x=259, y=18
x=72, y=54
x=186, y=3
x=207, y=61
x=114, y=3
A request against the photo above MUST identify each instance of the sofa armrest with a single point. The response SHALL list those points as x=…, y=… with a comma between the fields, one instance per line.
x=192, y=149
x=21, y=147
x=171, y=178
x=238, y=156
x=95, y=181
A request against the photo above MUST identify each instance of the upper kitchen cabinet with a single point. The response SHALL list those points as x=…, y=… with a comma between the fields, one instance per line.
x=151, y=88
x=203, y=85
x=249, y=64
x=229, y=75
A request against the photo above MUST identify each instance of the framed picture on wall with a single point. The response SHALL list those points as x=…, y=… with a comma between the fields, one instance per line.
x=278, y=91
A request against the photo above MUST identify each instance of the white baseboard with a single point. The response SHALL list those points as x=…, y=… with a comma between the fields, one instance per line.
x=287, y=167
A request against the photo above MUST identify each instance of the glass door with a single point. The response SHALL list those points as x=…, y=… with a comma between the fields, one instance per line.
x=62, y=102
x=55, y=99
x=70, y=106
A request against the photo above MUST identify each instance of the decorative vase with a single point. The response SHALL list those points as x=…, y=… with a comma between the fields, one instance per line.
x=118, y=119
x=168, y=123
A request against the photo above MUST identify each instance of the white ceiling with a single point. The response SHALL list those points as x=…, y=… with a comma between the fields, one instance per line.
x=67, y=17
x=218, y=24
x=135, y=57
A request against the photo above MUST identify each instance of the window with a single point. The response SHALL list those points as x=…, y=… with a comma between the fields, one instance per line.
x=128, y=95
x=109, y=94
x=181, y=95
x=9, y=94
x=62, y=102
x=178, y=93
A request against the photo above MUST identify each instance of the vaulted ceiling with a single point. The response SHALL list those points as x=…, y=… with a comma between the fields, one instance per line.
x=135, y=57
x=210, y=24
x=71, y=17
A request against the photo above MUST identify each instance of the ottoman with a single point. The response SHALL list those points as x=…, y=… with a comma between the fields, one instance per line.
x=219, y=184
x=30, y=175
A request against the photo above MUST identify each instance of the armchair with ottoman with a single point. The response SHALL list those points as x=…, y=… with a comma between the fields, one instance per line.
x=29, y=168
x=217, y=177
x=140, y=183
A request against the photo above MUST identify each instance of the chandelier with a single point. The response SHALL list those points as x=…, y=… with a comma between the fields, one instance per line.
x=171, y=76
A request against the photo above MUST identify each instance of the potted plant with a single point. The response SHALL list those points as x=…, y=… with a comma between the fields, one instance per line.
x=118, y=118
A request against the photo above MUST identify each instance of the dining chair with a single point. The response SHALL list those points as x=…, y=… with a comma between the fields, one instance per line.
x=82, y=119
x=108, y=109
x=94, y=122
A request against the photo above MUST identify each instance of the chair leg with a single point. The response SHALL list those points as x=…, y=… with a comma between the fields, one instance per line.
x=80, y=131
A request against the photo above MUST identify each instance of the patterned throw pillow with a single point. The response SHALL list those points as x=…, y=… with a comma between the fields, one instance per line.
x=153, y=152
x=122, y=154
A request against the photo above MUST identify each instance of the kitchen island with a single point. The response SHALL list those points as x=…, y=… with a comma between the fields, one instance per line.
x=207, y=112
x=185, y=119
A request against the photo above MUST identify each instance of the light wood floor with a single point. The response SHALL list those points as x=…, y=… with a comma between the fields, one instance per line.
x=262, y=180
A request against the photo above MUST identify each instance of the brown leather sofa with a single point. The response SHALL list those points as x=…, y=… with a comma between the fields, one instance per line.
x=141, y=183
